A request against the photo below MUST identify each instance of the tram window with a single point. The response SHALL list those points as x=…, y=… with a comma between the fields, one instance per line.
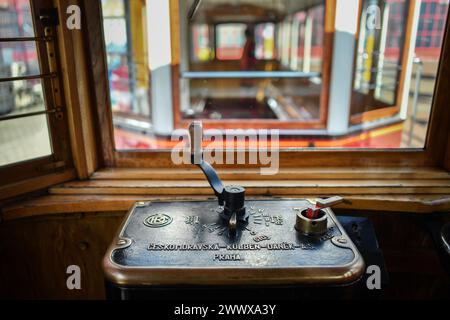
x=382, y=60
x=24, y=127
x=230, y=41
x=265, y=41
x=127, y=61
x=202, y=49
x=321, y=74
x=24, y=139
x=379, y=61
x=253, y=37
x=317, y=15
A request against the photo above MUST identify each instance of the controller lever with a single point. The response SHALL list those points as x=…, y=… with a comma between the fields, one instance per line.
x=232, y=198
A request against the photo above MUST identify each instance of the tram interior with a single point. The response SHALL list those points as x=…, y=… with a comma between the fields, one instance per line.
x=269, y=62
x=355, y=94
x=216, y=95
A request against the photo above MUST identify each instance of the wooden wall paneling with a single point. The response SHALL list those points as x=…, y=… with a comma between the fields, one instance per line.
x=36, y=253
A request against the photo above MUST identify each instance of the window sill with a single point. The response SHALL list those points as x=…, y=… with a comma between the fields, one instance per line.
x=115, y=190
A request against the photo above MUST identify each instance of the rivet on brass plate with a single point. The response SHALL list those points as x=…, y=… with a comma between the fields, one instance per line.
x=121, y=242
x=141, y=204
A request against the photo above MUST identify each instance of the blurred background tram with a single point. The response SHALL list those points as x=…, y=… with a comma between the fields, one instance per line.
x=259, y=64
x=266, y=64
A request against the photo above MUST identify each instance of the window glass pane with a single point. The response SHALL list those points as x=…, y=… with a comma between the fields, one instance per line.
x=427, y=52
x=230, y=41
x=128, y=68
x=202, y=49
x=382, y=64
x=113, y=8
x=22, y=96
x=18, y=59
x=379, y=61
x=24, y=139
x=15, y=19
x=363, y=78
x=317, y=16
x=265, y=41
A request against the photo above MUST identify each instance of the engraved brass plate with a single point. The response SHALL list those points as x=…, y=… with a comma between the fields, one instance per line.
x=195, y=247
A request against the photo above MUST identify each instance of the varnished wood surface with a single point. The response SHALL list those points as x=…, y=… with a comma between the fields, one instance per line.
x=289, y=158
x=36, y=253
x=193, y=173
x=35, y=183
x=261, y=188
x=421, y=190
x=58, y=204
x=98, y=77
x=81, y=121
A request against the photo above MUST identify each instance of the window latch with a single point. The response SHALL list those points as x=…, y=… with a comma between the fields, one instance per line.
x=49, y=17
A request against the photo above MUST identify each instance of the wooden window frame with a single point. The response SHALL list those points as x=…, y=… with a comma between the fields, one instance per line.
x=433, y=155
x=388, y=110
x=320, y=123
x=38, y=173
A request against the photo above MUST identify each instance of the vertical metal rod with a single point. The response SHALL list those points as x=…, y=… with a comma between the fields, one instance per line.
x=418, y=80
x=193, y=9
x=130, y=55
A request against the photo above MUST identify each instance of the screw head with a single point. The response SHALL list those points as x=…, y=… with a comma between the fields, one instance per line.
x=121, y=242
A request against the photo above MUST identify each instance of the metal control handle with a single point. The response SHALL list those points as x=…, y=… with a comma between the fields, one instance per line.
x=329, y=202
x=231, y=197
x=196, y=139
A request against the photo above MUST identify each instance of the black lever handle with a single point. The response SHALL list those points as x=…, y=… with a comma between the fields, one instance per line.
x=231, y=197
x=196, y=138
x=193, y=9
